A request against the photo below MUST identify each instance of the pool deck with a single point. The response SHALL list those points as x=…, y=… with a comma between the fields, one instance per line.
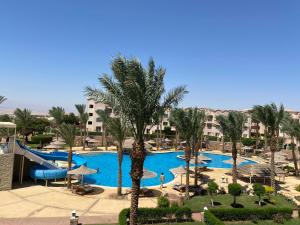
x=32, y=204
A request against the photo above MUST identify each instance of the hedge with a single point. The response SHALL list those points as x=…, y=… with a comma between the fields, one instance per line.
x=211, y=219
x=246, y=214
x=157, y=215
x=41, y=139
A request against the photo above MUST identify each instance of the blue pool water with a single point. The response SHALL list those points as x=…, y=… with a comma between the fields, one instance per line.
x=157, y=162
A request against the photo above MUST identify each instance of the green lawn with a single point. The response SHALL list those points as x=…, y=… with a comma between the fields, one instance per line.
x=269, y=222
x=224, y=201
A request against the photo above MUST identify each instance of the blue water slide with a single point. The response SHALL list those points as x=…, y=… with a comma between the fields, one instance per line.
x=44, y=173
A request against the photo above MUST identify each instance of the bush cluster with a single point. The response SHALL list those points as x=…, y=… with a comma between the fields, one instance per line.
x=163, y=202
x=157, y=215
x=211, y=219
x=246, y=214
x=41, y=139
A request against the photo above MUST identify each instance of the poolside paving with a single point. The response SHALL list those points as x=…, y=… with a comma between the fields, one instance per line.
x=38, y=204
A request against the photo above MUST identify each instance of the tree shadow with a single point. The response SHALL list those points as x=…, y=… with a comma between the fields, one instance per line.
x=237, y=205
x=217, y=203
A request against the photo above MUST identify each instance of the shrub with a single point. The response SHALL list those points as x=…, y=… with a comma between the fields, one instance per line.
x=235, y=190
x=297, y=188
x=41, y=139
x=211, y=219
x=248, y=141
x=174, y=205
x=269, y=191
x=163, y=202
x=157, y=215
x=259, y=190
x=246, y=213
x=212, y=188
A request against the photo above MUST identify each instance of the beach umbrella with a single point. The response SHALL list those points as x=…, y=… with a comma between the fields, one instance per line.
x=168, y=140
x=238, y=161
x=52, y=146
x=82, y=170
x=179, y=171
x=129, y=142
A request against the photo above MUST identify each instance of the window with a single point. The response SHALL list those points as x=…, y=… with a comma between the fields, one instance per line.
x=165, y=123
x=90, y=114
x=210, y=117
x=98, y=129
x=209, y=126
x=91, y=106
x=217, y=134
x=148, y=131
x=90, y=123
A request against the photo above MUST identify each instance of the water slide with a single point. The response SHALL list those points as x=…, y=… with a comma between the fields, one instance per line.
x=46, y=168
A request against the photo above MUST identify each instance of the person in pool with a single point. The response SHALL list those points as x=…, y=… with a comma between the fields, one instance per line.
x=162, y=180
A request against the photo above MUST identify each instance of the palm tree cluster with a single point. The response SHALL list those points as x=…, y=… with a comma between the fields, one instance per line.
x=136, y=93
x=189, y=124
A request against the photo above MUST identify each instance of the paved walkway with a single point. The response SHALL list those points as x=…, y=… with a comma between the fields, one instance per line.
x=38, y=201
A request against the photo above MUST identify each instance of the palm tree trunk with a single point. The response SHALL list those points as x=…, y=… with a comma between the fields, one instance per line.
x=81, y=136
x=294, y=156
x=196, y=163
x=84, y=137
x=105, y=138
x=266, y=140
x=120, y=159
x=157, y=136
x=257, y=136
x=234, y=166
x=187, y=160
x=69, y=166
x=138, y=155
x=223, y=144
x=273, y=146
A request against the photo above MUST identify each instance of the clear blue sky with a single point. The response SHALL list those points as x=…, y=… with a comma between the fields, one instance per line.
x=230, y=54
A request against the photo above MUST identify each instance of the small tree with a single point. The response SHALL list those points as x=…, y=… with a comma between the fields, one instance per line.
x=212, y=188
x=163, y=202
x=269, y=191
x=259, y=190
x=235, y=190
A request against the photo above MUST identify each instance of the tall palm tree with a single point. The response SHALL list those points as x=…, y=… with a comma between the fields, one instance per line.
x=23, y=119
x=259, y=114
x=117, y=128
x=103, y=116
x=291, y=127
x=58, y=113
x=68, y=132
x=186, y=122
x=233, y=125
x=222, y=128
x=83, y=119
x=272, y=117
x=136, y=93
x=2, y=99
x=197, y=138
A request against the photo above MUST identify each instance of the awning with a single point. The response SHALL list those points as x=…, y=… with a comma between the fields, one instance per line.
x=7, y=125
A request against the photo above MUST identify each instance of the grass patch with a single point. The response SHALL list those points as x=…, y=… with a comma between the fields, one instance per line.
x=224, y=201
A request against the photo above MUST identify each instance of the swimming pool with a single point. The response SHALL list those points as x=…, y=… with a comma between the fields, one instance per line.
x=156, y=162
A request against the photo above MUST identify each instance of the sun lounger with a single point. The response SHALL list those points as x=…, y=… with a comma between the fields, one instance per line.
x=82, y=189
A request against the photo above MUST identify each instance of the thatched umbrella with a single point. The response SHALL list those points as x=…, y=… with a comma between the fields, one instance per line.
x=179, y=171
x=82, y=170
x=238, y=161
x=52, y=146
x=129, y=142
x=258, y=170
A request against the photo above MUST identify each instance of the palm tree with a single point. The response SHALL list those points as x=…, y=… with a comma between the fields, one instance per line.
x=58, y=113
x=136, y=93
x=291, y=127
x=272, y=117
x=222, y=128
x=259, y=114
x=2, y=99
x=233, y=124
x=198, y=138
x=68, y=132
x=83, y=119
x=186, y=122
x=117, y=128
x=23, y=119
x=103, y=116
